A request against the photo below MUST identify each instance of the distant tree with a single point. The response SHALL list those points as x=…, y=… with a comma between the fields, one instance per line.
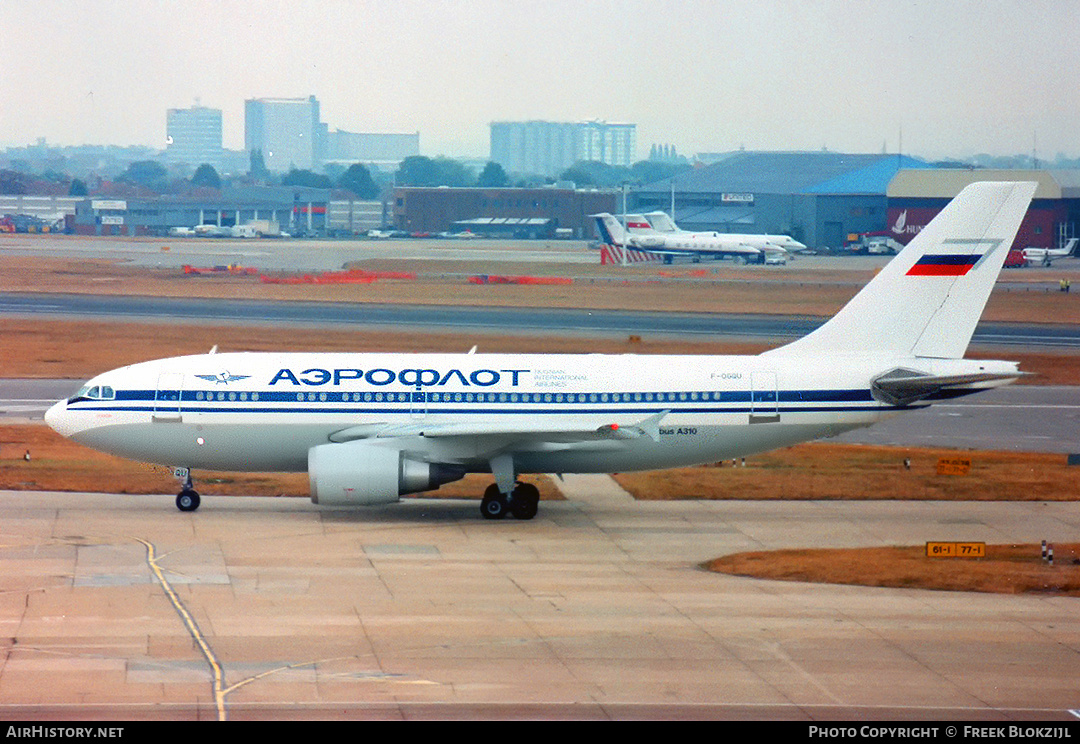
x=149, y=174
x=335, y=171
x=307, y=178
x=13, y=182
x=78, y=188
x=206, y=175
x=418, y=170
x=595, y=173
x=453, y=173
x=257, y=168
x=493, y=176
x=358, y=180
x=579, y=176
x=651, y=171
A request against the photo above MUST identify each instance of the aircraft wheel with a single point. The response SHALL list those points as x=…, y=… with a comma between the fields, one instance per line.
x=525, y=502
x=187, y=500
x=494, y=504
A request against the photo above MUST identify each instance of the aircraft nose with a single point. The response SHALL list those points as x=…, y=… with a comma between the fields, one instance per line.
x=58, y=420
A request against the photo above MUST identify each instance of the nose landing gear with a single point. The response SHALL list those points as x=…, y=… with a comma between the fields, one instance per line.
x=188, y=499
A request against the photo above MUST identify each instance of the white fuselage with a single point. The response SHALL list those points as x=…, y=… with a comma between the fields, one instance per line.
x=259, y=411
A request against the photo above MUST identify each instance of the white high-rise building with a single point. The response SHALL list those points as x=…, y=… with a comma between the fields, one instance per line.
x=193, y=136
x=547, y=147
x=287, y=131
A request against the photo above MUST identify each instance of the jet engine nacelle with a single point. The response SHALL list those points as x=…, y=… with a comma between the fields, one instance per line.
x=367, y=473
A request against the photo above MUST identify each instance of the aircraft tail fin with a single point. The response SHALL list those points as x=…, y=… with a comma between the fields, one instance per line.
x=661, y=222
x=611, y=232
x=638, y=224
x=927, y=301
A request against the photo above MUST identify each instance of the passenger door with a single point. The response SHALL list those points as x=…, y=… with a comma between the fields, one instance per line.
x=764, y=398
x=170, y=387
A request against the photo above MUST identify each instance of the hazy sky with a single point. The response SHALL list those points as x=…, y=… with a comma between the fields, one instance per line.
x=957, y=77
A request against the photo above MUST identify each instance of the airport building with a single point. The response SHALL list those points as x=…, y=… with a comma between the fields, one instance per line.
x=542, y=212
x=547, y=148
x=193, y=136
x=819, y=198
x=295, y=210
x=355, y=216
x=916, y=196
x=39, y=210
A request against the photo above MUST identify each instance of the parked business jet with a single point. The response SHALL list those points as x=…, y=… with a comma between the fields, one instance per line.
x=639, y=235
x=1046, y=256
x=661, y=222
x=371, y=427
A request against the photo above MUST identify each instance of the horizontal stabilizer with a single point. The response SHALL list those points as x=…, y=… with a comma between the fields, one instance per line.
x=902, y=387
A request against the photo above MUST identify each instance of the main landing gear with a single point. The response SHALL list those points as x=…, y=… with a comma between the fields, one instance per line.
x=188, y=499
x=523, y=502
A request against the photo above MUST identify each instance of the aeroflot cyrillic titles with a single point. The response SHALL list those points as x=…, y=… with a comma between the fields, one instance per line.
x=380, y=376
x=369, y=428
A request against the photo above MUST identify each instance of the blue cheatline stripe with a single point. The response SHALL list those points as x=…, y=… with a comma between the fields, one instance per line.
x=737, y=402
x=512, y=411
x=578, y=399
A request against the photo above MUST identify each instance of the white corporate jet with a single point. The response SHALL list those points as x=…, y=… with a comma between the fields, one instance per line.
x=640, y=235
x=1046, y=256
x=371, y=427
x=662, y=223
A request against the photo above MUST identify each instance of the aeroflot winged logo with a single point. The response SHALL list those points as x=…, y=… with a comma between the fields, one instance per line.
x=956, y=258
x=223, y=378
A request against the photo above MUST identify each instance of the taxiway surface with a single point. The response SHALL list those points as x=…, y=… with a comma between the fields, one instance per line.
x=120, y=607
x=462, y=318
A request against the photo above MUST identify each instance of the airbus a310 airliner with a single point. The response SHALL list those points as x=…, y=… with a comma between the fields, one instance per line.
x=371, y=427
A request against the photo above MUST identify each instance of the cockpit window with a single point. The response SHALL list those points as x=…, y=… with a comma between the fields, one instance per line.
x=93, y=392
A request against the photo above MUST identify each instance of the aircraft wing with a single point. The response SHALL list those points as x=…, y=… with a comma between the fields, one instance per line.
x=502, y=437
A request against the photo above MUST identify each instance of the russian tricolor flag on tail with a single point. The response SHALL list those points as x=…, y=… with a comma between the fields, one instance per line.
x=944, y=264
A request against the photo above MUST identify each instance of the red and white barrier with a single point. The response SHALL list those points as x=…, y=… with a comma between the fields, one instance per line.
x=614, y=255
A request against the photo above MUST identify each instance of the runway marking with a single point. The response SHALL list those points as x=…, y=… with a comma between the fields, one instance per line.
x=192, y=626
x=220, y=690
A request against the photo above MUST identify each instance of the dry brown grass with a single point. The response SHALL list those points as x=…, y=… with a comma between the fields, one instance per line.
x=81, y=349
x=720, y=289
x=821, y=471
x=1006, y=569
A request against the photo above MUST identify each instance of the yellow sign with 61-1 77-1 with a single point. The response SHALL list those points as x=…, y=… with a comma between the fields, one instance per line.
x=955, y=550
